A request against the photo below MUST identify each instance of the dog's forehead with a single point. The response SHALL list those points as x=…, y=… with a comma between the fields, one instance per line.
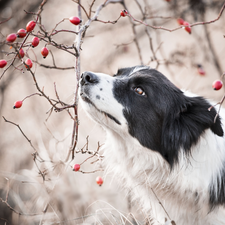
x=139, y=68
x=129, y=71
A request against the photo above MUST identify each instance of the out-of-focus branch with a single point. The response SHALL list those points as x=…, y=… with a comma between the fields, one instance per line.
x=54, y=67
x=177, y=28
x=10, y=207
x=4, y=21
x=17, y=125
x=212, y=50
x=15, y=211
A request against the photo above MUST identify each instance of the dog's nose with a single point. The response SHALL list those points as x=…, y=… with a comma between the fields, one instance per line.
x=88, y=78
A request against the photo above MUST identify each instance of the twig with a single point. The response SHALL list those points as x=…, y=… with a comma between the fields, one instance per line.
x=54, y=67
x=50, y=100
x=95, y=153
x=212, y=50
x=80, y=5
x=5, y=20
x=77, y=75
x=56, y=26
x=177, y=28
x=18, y=126
x=58, y=141
x=94, y=171
x=31, y=95
x=106, y=22
x=15, y=211
x=68, y=31
x=220, y=105
x=10, y=207
x=90, y=8
x=160, y=203
x=135, y=36
x=6, y=221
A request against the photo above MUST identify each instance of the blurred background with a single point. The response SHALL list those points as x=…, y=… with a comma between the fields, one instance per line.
x=191, y=61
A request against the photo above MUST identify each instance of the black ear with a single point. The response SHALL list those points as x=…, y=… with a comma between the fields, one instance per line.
x=124, y=71
x=184, y=125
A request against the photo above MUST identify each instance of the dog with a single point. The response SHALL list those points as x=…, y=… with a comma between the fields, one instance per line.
x=166, y=146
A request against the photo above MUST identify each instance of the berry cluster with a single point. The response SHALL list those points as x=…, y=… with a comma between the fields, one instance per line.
x=22, y=33
x=185, y=24
x=20, y=46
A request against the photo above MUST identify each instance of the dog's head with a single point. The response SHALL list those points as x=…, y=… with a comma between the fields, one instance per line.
x=144, y=103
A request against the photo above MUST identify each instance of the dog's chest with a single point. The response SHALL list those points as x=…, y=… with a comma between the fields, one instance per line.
x=148, y=179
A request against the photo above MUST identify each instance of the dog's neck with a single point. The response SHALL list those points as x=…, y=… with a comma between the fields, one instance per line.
x=144, y=169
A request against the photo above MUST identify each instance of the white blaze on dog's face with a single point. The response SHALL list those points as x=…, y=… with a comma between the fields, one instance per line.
x=96, y=91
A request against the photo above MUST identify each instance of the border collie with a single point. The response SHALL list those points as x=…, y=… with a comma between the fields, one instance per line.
x=166, y=146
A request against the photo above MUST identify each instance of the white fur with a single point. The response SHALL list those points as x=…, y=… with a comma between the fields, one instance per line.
x=147, y=175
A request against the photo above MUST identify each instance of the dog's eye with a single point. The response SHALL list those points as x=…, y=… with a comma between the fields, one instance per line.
x=139, y=91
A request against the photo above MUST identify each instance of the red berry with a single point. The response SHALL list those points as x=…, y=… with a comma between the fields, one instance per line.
x=3, y=63
x=44, y=52
x=123, y=13
x=217, y=85
x=30, y=26
x=99, y=181
x=21, y=33
x=11, y=37
x=29, y=63
x=201, y=70
x=187, y=27
x=35, y=42
x=75, y=20
x=180, y=21
x=17, y=104
x=76, y=167
x=21, y=53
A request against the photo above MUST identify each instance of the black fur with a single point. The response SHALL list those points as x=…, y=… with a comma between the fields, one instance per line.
x=163, y=120
x=217, y=193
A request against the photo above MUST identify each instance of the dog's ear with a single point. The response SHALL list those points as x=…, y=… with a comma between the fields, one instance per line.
x=123, y=71
x=184, y=125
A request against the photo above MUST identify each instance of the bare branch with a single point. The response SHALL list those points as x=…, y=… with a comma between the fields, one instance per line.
x=177, y=28
x=1, y=22
x=18, y=126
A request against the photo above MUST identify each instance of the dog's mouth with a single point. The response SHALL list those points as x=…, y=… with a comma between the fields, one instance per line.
x=87, y=100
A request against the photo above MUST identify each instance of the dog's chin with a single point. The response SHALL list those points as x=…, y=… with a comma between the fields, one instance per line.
x=86, y=99
x=91, y=105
